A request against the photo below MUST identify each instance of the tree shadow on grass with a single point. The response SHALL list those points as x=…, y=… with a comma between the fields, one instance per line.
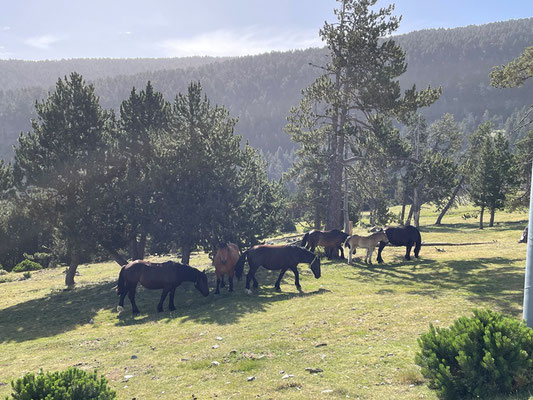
x=224, y=308
x=65, y=310
x=490, y=279
x=58, y=312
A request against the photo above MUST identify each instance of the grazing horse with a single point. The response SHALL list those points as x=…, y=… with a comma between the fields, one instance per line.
x=331, y=240
x=402, y=236
x=367, y=242
x=167, y=276
x=274, y=258
x=225, y=259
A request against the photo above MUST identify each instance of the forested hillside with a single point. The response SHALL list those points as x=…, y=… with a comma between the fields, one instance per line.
x=260, y=90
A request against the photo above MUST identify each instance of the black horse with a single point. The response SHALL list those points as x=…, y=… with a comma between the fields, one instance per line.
x=167, y=276
x=331, y=240
x=274, y=258
x=402, y=236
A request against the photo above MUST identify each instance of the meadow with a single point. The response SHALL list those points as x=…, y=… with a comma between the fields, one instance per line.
x=350, y=334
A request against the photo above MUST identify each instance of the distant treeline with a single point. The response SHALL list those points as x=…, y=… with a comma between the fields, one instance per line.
x=260, y=90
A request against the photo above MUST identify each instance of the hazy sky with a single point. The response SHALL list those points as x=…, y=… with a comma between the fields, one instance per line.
x=55, y=29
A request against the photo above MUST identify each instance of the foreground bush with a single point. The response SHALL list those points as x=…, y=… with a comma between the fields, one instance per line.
x=27, y=265
x=486, y=354
x=72, y=384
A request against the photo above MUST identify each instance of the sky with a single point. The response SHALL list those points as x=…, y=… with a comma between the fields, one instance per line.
x=60, y=29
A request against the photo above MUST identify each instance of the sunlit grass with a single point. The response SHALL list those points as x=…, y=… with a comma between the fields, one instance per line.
x=358, y=323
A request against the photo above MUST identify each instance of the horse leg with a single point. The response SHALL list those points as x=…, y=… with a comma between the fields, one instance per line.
x=250, y=276
x=276, y=286
x=256, y=284
x=217, y=291
x=171, y=305
x=122, y=297
x=222, y=284
x=296, y=278
x=350, y=255
x=380, y=249
x=408, y=250
x=370, y=251
x=163, y=296
x=230, y=279
x=131, y=296
x=342, y=252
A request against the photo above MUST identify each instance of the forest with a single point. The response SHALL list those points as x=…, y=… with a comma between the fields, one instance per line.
x=259, y=90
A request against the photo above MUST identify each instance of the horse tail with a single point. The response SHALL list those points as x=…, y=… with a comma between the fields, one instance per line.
x=347, y=242
x=304, y=240
x=121, y=285
x=239, y=267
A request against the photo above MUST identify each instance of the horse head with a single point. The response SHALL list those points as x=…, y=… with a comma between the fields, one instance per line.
x=201, y=283
x=315, y=267
x=382, y=236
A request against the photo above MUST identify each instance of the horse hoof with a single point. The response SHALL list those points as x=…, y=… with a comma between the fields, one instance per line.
x=172, y=309
x=299, y=288
x=278, y=289
x=159, y=310
x=230, y=290
x=217, y=292
x=248, y=292
x=120, y=309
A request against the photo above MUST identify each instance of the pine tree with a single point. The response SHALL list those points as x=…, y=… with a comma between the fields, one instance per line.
x=64, y=158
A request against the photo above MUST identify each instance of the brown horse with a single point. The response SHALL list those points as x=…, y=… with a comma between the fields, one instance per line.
x=225, y=259
x=366, y=242
x=167, y=276
x=331, y=240
x=274, y=258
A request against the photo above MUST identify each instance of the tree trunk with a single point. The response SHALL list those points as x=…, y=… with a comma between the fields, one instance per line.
x=450, y=201
x=481, y=217
x=71, y=271
x=186, y=254
x=116, y=256
x=416, y=206
x=335, y=188
x=411, y=209
x=492, y=212
x=141, y=246
x=134, y=247
x=345, y=201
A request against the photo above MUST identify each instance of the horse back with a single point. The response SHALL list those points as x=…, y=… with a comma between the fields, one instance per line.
x=151, y=275
x=274, y=256
x=332, y=238
x=401, y=236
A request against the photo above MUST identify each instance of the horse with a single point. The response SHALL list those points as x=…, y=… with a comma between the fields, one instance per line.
x=167, y=276
x=225, y=259
x=367, y=242
x=274, y=257
x=402, y=236
x=331, y=240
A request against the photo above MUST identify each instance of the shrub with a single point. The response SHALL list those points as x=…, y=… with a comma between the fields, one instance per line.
x=27, y=275
x=72, y=384
x=27, y=265
x=42, y=258
x=486, y=354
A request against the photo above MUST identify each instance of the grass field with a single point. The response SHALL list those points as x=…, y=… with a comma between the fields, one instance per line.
x=358, y=324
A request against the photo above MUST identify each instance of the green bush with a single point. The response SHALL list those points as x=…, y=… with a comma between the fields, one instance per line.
x=27, y=265
x=42, y=258
x=486, y=354
x=72, y=384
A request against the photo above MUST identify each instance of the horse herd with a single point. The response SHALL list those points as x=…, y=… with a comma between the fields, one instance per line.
x=228, y=261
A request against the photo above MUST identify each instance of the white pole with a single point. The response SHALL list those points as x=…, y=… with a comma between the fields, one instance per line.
x=528, y=282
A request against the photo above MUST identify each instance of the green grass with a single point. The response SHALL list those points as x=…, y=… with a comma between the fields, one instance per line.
x=368, y=317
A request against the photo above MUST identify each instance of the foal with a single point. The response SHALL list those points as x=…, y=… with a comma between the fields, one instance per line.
x=367, y=242
x=225, y=259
